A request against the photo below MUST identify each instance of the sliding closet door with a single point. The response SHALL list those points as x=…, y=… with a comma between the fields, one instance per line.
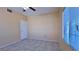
x=77, y=28
x=72, y=28
x=66, y=25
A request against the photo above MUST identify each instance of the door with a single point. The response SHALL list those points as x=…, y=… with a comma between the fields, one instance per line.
x=77, y=28
x=66, y=25
x=74, y=28
x=71, y=27
x=23, y=29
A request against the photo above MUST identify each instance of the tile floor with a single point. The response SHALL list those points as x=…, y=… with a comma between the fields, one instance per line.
x=32, y=45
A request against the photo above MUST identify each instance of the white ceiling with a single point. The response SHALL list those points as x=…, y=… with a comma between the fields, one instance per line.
x=39, y=10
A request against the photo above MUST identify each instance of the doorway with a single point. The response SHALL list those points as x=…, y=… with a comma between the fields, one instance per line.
x=23, y=29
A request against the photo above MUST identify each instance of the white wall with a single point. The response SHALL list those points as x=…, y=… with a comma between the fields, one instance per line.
x=44, y=27
x=9, y=26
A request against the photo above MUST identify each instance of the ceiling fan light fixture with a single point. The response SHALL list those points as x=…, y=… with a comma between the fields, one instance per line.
x=25, y=8
x=31, y=8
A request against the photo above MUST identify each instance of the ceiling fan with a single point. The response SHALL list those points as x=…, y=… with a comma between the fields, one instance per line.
x=24, y=9
x=31, y=8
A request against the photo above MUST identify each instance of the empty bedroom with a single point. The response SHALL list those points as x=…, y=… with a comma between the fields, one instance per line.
x=31, y=29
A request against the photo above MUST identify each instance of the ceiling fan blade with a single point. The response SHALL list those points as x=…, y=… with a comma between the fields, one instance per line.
x=32, y=8
x=9, y=10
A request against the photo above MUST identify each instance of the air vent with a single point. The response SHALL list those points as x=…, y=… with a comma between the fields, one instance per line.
x=9, y=10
